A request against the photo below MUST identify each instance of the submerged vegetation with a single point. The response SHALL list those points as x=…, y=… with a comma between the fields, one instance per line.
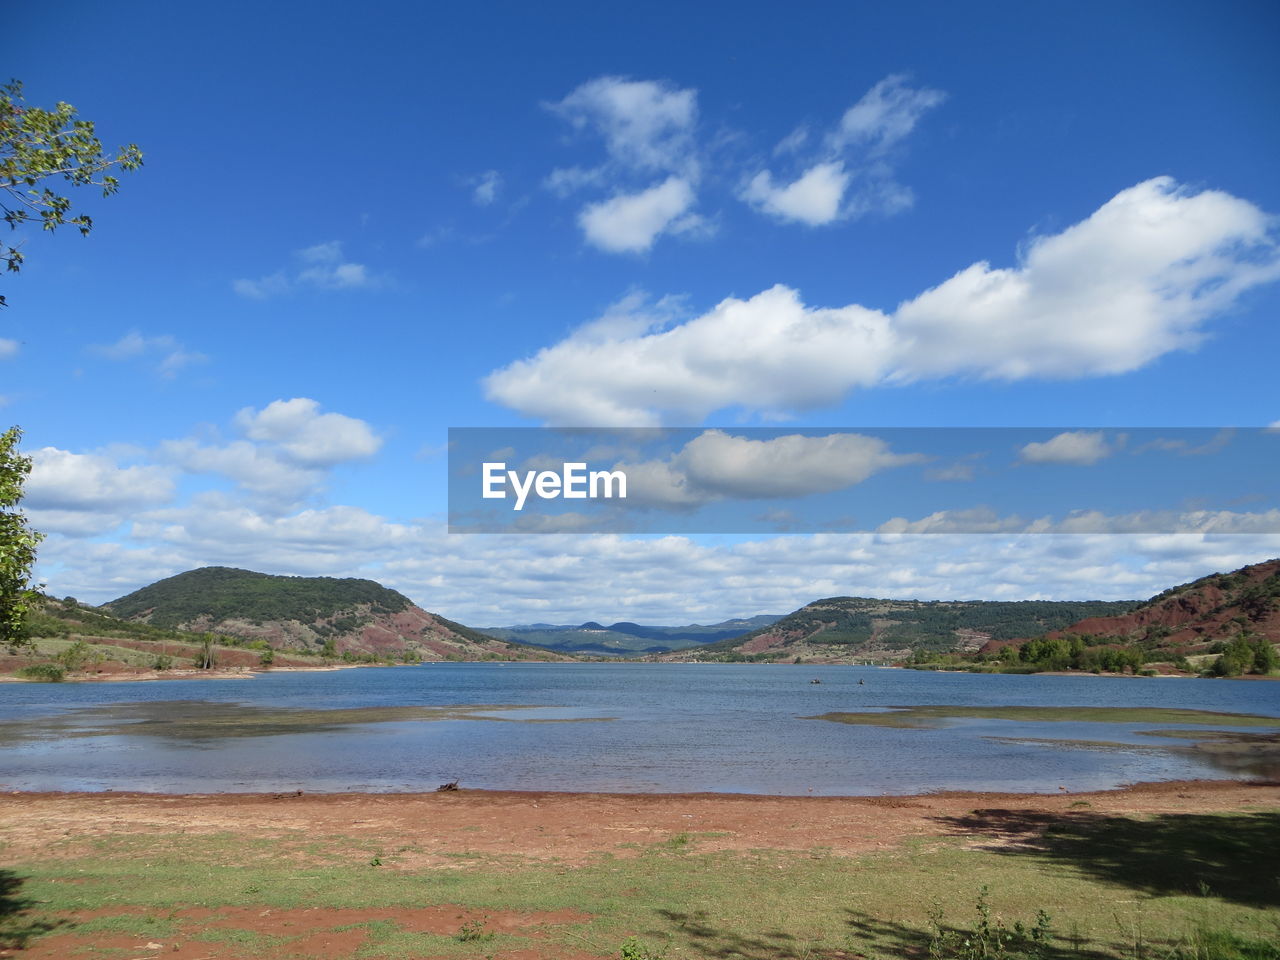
x=929, y=715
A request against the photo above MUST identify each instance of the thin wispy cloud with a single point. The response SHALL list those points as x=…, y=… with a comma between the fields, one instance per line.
x=168, y=356
x=323, y=266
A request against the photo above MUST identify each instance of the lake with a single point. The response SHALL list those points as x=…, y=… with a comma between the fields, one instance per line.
x=629, y=727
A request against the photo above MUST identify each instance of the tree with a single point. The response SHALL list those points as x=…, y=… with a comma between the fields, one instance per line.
x=17, y=543
x=37, y=145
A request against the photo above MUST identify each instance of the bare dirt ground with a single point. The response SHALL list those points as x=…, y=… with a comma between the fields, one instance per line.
x=569, y=827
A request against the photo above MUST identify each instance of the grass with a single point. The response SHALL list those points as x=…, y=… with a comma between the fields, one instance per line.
x=1114, y=887
x=924, y=716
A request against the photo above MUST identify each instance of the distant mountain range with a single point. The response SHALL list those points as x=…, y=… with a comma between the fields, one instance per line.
x=624, y=638
x=361, y=619
x=310, y=613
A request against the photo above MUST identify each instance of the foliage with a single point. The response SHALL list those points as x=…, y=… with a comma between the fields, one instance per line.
x=37, y=145
x=75, y=656
x=222, y=593
x=17, y=544
x=990, y=938
x=47, y=672
x=633, y=949
x=205, y=659
x=1245, y=655
x=64, y=618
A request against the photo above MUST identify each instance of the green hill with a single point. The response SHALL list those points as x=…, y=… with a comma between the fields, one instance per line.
x=222, y=593
x=311, y=614
x=867, y=628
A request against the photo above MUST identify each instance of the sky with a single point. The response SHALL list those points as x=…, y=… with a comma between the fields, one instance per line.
x=359, y=227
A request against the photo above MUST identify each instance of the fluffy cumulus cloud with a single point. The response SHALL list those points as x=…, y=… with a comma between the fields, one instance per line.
x=86, y=494
x=308, y=436
x=814, y=198
x=169, y=356
x=850, y=173
x=283, y=455
x=280, y=461
x=319, y=267
x=647, y=129
x=629, y=223
x=1077, y=447
x=716, y=465
x=1137, y=279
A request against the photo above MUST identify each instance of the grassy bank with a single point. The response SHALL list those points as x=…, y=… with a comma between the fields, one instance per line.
x=1187, y=886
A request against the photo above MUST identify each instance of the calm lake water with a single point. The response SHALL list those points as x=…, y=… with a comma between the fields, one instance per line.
x=640, y=728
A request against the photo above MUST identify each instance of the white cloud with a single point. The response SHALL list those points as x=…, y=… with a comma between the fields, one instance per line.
x=289, y=447
x=485, y=188
x=850, y=174
x=173, y=356
x=308, y=436
x=565, y=180
x=630, y=223
x=1136, y=280
x=885, y=115
x=272, y=481
x=1080, y=448
x=569, y=579
x=814, y=198
x=8, y=348
x=272, y=285
x=983, y=520
x=324, y=268
x=84, y=482
x=716, y=465
x=645, y=125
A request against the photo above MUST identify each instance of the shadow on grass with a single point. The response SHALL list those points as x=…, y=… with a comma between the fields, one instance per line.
x=16, y=928
x=714, y=941
x=876, y=937
x=1232, y=856
x=867, y=936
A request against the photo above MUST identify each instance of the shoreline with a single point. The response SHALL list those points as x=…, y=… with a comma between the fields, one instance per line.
x=1144, y=787
x=226, y=673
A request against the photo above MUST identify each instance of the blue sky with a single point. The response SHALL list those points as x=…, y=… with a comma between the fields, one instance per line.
x=357, y=228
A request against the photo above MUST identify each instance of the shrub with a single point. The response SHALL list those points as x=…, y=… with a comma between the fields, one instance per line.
x=990, y=939
x=44, y=672
x=634, y=949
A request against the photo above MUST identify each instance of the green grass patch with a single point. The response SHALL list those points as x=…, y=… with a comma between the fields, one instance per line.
x=1174, y=882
